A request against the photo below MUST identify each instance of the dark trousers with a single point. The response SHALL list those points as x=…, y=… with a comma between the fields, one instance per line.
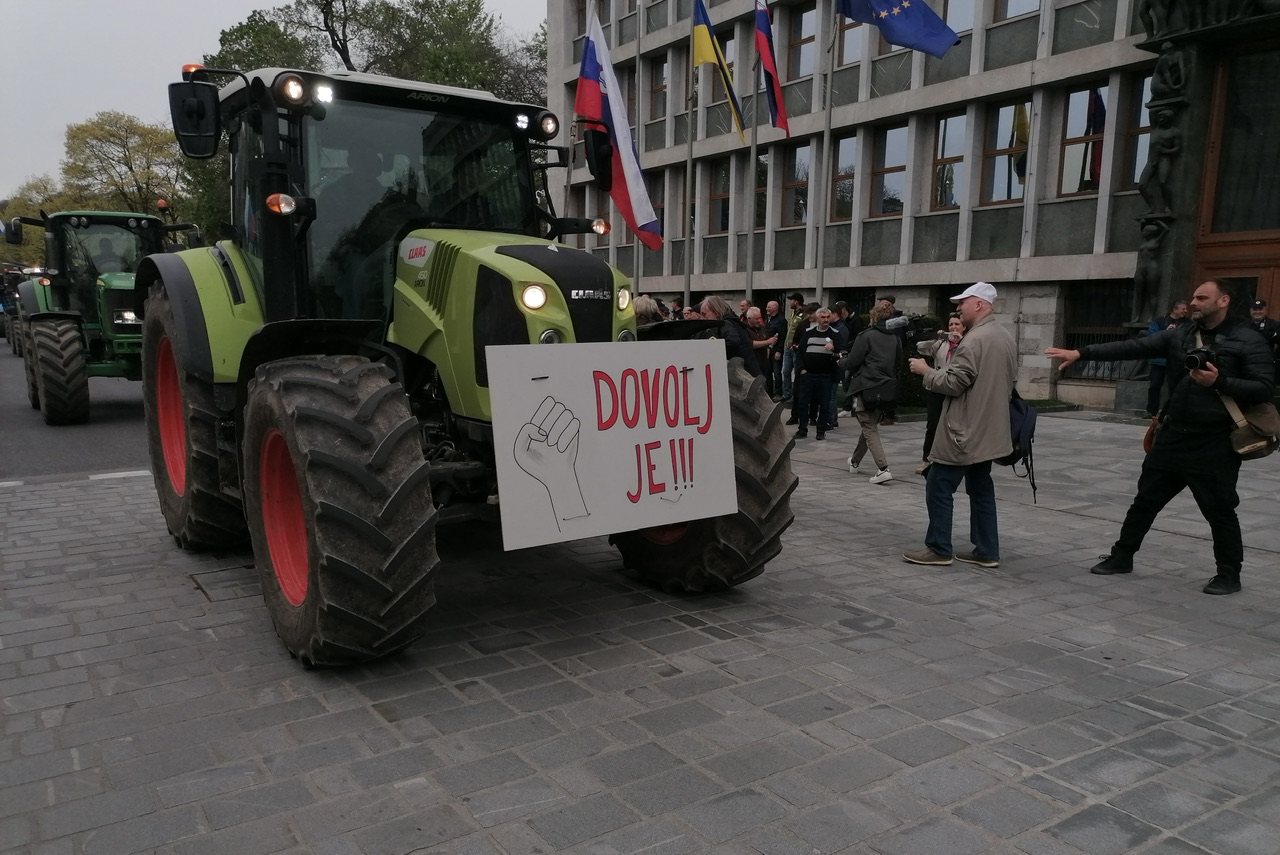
x=1157, y=374
x=933, y=412
x=815, y=388
x=1206, y=464
x=939, y=499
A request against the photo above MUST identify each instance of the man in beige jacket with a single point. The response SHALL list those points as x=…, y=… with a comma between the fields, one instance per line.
x=972, y=432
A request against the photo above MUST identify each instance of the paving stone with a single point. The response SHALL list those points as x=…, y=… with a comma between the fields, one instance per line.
x=931, y=837
x=1005, y=812
x=588, y=818
x=1104, y=771
x=752, y=762
x=1103, y=830
x=481, y=774
x=632, y=764
x=668, y=791
x=649, y=838
x=920, y=745
x=676, y=717
x=1238, y=769
x=732, y=814
x=946, y=781
x=255, y=803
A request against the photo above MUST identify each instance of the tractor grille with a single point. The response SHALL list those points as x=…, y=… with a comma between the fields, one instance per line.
x=119, y=301
x=585, y=281
x=497, y=320
x=443, y=259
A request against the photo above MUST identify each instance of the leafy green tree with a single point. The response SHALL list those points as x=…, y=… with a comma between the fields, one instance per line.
x=123, y=160
x=42, y=193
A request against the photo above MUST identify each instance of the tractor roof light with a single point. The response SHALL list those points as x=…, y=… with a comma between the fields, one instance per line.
x=290, y=86
x=601, y=226
x=548, y=125
x=133, y=223
x=324, y=93
x=533, y=297
x=189, y=70
x=282, y=204
x=45, y=282
x=522, y=121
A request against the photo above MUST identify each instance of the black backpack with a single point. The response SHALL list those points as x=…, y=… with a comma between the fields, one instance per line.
x=1022, y=430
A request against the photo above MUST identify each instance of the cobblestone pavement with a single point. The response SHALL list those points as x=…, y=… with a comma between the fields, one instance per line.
x=843, y=702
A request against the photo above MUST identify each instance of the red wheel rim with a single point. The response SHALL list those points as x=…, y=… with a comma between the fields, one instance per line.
x=282, y=518
x=169, y=416
x=665, y=535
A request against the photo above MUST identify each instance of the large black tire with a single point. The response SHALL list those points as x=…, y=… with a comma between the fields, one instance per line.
x=29, y=367
x=62, y=376
x=182, y=439
x=339, y=505
x=718, y=553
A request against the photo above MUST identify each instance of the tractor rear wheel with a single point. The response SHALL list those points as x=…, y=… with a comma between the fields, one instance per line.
x=718, y=553
x=339, y=505
x=182, y=422
x=29, y=367
x=62, y=377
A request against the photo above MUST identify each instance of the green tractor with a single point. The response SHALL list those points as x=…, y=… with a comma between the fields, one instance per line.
x=74, y=318
x=316, y=382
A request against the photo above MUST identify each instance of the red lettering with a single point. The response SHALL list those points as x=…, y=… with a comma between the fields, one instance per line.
x=632, y=418
x=654, y=486
x=672, y=443
x=417, y=252
x=706, y=426
x=670, y=393
x=601, y=422
x=684, y=377
x=651, y=394
x=690, y=461
x=635, y=497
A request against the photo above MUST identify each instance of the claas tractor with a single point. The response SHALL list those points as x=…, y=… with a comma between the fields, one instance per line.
x=74, y=318
x=316, y=382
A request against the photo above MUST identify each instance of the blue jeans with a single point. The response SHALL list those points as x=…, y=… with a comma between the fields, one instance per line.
x=815, y=387
x=788, y=371
x=939, y=497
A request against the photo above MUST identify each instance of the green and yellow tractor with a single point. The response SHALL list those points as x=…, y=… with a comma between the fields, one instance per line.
x=74, y=318
x=316, y=382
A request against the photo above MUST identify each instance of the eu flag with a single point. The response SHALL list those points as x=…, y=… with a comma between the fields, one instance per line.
x=909, y=23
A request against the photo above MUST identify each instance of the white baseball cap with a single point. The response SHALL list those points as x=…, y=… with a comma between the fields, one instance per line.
x=982, y=290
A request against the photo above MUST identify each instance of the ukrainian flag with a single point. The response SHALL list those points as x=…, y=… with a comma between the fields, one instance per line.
x=706, y=49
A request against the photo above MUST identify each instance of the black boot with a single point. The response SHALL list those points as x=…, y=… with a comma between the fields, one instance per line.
x=1113, y=564
x=1226, y=582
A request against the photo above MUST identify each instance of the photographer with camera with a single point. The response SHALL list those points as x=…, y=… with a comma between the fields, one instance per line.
x=1216, y=355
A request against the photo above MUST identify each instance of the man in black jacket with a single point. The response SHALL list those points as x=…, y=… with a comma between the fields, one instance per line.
x=1193, y=446
x=816, y=347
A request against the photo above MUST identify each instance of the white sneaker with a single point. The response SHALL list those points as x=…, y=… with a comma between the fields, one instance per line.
x=854, y=468
x=844, y=414
x=880, y=477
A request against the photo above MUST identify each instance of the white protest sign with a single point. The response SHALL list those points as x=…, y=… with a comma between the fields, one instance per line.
x=600, y=438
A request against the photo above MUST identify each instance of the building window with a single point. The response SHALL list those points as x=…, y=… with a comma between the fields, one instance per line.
x=579, y=12
x=1096, y=313
x=1081, y=161
x=948, y=163
x=1138, y=139
x=762, y=189
x=845, y=166
x=889, y=172
x=850, y=42
x=1014, y=8
x=656, y=183
x=717, y=85
x=718, y=198
x=795, y=186
x=626, y=7
x=1004, y=156
x=658, y=88
x=801, y=48
x=958, y=14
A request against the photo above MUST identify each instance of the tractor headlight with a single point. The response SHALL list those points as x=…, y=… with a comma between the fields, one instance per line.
x=550, y=337
x=522, y=122
x=324, y=93
x=292, y=89
x=624, y=299
x=600, y=226
x=534, y=297
x=124, y=316
x=627, y=335
x=549, y=125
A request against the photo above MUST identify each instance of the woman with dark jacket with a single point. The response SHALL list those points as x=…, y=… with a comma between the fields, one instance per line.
x=875, y=359
x=737, y=341
x=938, y=352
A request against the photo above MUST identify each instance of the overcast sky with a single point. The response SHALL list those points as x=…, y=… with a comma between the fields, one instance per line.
x=62, y=61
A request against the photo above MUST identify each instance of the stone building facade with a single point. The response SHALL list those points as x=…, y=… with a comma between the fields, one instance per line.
x=1092, y=158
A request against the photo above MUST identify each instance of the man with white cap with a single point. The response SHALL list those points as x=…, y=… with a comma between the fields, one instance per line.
x=972, y=432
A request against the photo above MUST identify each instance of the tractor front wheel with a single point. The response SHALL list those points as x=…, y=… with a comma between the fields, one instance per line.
x=718, y=553
x=29, y=367
x=62, y=377
x=182, y=422
x=339, y=505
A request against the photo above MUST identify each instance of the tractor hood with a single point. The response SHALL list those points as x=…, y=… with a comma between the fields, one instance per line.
x=116, y=281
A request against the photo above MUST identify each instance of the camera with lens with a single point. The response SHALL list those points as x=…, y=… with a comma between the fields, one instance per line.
x=1197, y=357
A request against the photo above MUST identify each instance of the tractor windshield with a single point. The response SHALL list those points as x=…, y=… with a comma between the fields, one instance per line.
x=372, y=168
x=102, y=248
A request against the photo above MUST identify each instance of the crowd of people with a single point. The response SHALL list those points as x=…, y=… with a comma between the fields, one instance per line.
x=828, y=365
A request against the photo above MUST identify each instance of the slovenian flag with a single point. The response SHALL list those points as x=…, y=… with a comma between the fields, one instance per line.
x=769, y=64
x=706, y=49
x=599, y=101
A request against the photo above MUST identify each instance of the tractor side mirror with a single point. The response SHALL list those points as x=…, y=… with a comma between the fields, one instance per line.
x=193, y=107
x=599, y=157
x=14, y=233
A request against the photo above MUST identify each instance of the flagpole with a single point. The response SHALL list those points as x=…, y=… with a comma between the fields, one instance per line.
x=635, y=91
x=751, y=178
x=690, y=129
x=820, y=194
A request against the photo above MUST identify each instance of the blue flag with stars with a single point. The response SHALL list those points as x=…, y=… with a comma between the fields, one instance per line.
x=909, y=23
